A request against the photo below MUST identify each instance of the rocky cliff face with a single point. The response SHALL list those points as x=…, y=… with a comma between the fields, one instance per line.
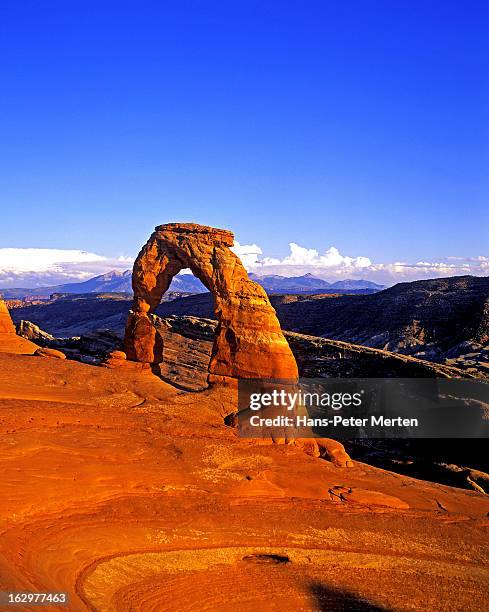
x=430, y=316
x=187, y=347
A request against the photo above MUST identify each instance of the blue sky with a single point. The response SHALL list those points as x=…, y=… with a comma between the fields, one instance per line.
x=361, y=125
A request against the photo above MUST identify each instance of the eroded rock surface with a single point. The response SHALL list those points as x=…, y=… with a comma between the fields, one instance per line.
x=187, y=347
x=248, y=343
x=111, y=493
x=367, y=497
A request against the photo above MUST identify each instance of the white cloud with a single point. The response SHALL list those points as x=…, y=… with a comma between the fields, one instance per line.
x=333, y=265
x=299, y=256
x=43, y=260
x=248, y=253
x=32, y=267
x=331, y=258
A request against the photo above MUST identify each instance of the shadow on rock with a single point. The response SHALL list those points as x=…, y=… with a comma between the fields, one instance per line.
x=330, y=599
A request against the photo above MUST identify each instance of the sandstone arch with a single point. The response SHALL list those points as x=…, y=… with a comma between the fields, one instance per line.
x=248, y=343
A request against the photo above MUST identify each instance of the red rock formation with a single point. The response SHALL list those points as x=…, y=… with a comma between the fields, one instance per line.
x=9, y=341
x=249, y=342
x=6, y=325
x=49, y=352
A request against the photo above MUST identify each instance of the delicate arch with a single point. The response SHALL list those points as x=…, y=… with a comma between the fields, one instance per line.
x=248, y=343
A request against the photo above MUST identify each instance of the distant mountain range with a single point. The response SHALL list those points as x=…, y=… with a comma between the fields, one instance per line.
x=308, y=283
x=120, y=282
x=111, y=282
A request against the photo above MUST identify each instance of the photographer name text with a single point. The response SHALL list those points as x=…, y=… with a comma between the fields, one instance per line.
x=336, y=421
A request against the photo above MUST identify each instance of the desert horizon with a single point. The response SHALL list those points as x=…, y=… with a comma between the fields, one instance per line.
x=31, y=267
